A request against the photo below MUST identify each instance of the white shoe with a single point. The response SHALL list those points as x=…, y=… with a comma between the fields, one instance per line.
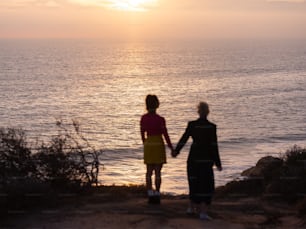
x=150, y=193
x=190, y=211
x=204, y=216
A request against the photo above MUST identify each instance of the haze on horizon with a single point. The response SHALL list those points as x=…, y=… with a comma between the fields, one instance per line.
x=153, y=19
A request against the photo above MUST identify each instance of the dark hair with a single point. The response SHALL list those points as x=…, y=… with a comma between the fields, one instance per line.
x=152, y=102
x=203, y=109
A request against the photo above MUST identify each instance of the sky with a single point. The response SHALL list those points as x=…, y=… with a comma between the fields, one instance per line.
x=153, y=19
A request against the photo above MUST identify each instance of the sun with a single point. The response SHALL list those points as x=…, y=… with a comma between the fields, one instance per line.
x=132, y=5
x=123, y=5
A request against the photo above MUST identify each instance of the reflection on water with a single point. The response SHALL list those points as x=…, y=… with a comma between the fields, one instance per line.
x=256, y=93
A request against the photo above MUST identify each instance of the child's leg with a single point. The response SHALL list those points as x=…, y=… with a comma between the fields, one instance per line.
x=149, y=173
x=157, y=171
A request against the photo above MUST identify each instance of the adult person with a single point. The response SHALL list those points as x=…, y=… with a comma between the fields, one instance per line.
x=153, y=129
x=202, y=156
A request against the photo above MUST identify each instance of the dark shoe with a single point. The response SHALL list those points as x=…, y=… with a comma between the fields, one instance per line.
x=154, y=197
x=154, y=200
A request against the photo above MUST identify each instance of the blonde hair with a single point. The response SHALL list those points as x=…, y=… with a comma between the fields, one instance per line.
x=203, y=109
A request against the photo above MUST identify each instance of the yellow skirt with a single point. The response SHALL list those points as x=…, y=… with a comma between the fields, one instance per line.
x=154, y=150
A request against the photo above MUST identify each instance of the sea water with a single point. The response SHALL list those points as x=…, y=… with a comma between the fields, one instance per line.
x=256, y=91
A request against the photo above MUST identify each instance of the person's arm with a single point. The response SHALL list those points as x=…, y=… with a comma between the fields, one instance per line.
x=166, y=135
x=183, y=139
x=217, y=160
x=142, y=131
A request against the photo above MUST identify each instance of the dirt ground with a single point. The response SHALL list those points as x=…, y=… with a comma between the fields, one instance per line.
x=134, y=212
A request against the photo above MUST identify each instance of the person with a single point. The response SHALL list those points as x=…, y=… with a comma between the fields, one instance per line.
x=153, y=129
x=202, y=156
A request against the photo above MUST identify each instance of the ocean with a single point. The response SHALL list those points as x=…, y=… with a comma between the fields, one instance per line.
x=256, y=90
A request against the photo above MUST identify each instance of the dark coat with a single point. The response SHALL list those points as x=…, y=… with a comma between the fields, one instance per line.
x=203, y=155
x=205, y=145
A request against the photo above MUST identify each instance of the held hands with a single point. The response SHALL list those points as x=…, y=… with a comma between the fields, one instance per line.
x=219, y=168
x=174, y=153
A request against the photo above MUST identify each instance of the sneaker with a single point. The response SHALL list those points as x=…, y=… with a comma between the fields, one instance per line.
x=150, y=193
x=204, y=216
x=190, y=211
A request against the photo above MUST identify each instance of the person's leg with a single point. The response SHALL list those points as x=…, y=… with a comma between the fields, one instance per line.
x=203, y=208
x=149, y=173
x=206, y=189
x=192, y=183
x=157, y=171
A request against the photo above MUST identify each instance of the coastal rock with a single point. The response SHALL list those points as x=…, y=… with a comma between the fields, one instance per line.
x=267, y=169
x=264, y=167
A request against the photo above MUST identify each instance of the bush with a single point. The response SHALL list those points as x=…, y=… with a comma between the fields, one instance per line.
x=68, y=160
x=293, y=182
x=68, y=163
x=296, y=156
x=15, y=156
x=278, y=178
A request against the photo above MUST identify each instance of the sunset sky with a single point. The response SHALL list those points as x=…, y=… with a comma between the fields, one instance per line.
x=153, y=19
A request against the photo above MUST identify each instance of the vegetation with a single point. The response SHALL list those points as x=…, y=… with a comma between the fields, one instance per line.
x=281, y=179
x=68, y=159
x=15, y=157
x=66, y=164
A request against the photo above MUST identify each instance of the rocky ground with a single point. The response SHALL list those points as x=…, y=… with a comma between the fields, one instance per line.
x=263, y=200
x=101, y=210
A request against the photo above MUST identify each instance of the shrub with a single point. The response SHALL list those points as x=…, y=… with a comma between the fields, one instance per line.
x=15, y=156
x=296, y=156
x=68, y=163
x=277, y=178
x=294, y=172
x=69, y=159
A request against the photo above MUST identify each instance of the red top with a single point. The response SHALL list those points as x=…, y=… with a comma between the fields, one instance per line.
x=153, y=124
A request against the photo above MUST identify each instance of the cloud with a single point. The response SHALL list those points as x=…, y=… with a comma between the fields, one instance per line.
x=52, y=4
x=26, y=3
x=168, y=4
x=102, y=3
x=108, y=4
x=289, y=1
x=230, y=5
